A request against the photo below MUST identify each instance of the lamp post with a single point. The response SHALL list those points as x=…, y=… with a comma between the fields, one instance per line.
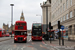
x=47, y=21
x=11, y=18
x=41, y=17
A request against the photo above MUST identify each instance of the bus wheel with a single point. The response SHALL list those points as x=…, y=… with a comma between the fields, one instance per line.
x=15, y=41
x=26, y=41
x=32, y=40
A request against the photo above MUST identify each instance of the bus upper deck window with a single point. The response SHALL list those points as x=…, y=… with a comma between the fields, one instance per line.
x=25, y=32
x=23, y=24
x=17, y=23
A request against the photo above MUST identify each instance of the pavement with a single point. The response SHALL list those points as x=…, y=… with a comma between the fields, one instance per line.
x=70, y=45
x=4, y=38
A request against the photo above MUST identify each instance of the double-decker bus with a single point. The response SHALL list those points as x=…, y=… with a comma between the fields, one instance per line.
x=2, y=32
x=20, y=34
x=36, y=31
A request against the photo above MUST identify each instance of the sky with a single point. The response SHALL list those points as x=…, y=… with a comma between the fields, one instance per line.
x=30, y=8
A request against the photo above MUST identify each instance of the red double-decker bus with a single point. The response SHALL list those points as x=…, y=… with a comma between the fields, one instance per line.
x=36, y=31
x=2, y=32
x=20, y=34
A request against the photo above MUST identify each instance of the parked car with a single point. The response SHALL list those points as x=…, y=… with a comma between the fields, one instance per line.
x=7, y=35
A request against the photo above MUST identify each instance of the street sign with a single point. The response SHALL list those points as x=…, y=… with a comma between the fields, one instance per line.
x=7, y=30
x=62, y=27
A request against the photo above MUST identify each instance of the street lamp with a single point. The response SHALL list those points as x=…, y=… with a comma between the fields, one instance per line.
x=11, y=18
x=41, y=17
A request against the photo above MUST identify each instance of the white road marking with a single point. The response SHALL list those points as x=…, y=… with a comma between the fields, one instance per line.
x=29, y=40
x=45, y=44
x=22, y=48
x=9, y=49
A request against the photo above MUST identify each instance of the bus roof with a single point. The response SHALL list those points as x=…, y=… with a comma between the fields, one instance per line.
x=37, y=23
x=21, y=21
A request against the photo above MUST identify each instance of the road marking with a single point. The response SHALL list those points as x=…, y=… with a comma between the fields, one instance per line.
x=9, y=49
x=14, y=45
x=44, y=43
x=43, y=47
x=29, y=40
x=50, y=45
x=32, y=48
x=23, y=48
x=29, y=46
x=32, y=43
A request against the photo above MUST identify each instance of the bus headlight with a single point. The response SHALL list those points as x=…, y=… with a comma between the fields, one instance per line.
x=24, y=38
x=15, y=38
x=32, y=37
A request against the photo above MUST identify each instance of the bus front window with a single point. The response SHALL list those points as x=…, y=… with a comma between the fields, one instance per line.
x=37, y=34
x=20, y=33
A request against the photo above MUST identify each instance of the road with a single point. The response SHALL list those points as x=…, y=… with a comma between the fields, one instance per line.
x=30, y=45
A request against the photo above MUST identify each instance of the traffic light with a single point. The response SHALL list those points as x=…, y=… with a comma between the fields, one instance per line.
x=50, y=27
x=59, y=26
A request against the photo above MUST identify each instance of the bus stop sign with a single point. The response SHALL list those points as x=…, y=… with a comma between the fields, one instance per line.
x=62, y=27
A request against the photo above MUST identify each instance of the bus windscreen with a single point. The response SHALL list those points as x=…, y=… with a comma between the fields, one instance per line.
x=37, y=30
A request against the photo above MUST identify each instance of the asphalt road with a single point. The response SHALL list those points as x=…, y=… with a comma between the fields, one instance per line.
x=30, y=45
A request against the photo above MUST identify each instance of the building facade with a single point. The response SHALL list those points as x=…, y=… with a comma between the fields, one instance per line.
x=46, y=13
x=46, y=8
x=63, y=11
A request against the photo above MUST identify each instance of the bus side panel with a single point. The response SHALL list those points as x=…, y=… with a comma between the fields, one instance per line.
x=0, y=33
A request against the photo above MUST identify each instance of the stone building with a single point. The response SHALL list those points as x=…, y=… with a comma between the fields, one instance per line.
x=8, y=29
x=46, y=6
x=46, y=11
x=63, y=11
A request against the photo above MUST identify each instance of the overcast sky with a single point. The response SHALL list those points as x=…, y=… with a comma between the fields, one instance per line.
x=30, y=8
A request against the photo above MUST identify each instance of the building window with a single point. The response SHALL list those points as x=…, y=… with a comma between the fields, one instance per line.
x=70, y=30
x=58, y=19
x=66, y=16
x=71, y=2
x=74, y=29
x=61, y=1
x=63, y=6
x=61, y=9
x=74, y=12
x=71, y=14
x=63, y=18
x=66, y=3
